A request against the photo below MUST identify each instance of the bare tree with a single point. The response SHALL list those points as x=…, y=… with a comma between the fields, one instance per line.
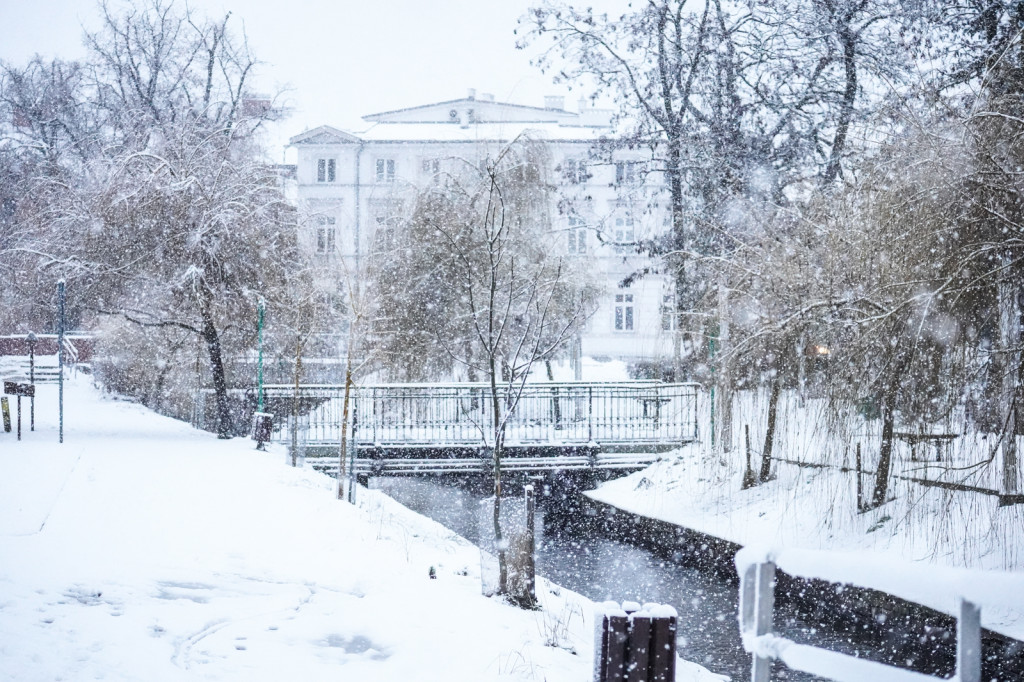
x=481, y=261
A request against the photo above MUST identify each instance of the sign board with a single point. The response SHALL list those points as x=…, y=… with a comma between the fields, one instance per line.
x=14, y=388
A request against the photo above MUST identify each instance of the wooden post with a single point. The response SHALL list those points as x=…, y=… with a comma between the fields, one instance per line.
x=764, y=604
x=638, y=647
x=663, y=644
x=968, y=643
x=6, y=409
x=860, y=485
x=615, y=660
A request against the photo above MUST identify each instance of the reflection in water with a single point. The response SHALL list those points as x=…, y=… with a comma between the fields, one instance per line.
x=603, y=569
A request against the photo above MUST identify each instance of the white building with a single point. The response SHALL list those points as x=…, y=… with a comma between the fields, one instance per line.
x=350, y=185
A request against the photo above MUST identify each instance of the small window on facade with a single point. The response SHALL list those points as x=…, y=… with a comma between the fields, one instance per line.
x=626, y=172
x=432, y=169
x=385, y=229
x=575, y=171
x=623, y=312
x=669, y=316
x=577, y=236
x=326, y=170
x=624, y=234
x=385, y=170
x=325, y=234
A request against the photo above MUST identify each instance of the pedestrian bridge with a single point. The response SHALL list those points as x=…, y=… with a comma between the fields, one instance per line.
x=404, y=429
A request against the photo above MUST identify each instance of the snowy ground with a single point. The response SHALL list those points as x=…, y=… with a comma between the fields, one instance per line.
x=141, y=549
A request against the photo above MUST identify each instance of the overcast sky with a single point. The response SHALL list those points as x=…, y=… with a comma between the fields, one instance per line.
x=341, y=60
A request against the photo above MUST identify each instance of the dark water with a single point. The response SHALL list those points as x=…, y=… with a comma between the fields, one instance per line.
x=603, y=569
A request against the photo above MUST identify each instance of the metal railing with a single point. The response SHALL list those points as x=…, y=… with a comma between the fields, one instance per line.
x=963, y=592
x=461, y=415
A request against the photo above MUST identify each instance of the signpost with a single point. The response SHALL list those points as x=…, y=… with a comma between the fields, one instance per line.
x=14, y=388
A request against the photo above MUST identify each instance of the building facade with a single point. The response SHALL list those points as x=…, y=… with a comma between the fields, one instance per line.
x=352, y=185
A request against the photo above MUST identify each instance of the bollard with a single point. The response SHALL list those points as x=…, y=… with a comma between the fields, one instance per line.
x=634, y=643
x=262, y=427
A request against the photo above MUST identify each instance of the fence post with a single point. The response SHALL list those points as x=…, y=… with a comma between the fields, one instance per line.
x=664, y=624
x=590, y=414
x=968, y=643
x=638, y=645
x=764, y=604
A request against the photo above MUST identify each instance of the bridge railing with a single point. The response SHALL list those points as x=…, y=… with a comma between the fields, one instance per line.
x=461, y=414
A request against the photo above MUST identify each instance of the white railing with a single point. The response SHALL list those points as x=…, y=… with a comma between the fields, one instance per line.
x=957, y=592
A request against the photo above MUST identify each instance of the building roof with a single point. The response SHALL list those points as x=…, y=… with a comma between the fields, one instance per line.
x=470, y=120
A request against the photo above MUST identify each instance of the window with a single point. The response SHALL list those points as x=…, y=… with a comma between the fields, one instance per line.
x=385, y=230
x=432, y=169
x=385, y=170
x=624, y=234
x=325, y=234
x=326, y=170
x=575, y=171
x=623, y=312
x=669, y=316
x=626, y=172
x=577, y=236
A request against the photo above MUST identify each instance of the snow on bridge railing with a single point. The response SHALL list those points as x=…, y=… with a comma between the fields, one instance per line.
x=569, y=413
x=961, y=593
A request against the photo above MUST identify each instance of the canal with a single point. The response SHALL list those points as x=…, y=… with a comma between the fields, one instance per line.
x=603, y=568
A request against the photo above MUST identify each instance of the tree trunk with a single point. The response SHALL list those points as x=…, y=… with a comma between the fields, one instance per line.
x=724, y=382
x=295, y=401
x=220, y=385
x=834, y=167
x=496, y=452
x=1009, y=341
x=885, y=453
x=769, y=438
x=343, y=448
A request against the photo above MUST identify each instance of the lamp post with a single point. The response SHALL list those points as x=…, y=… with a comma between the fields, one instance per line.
x=261, y=308
x=61, y=300
x=31, y=338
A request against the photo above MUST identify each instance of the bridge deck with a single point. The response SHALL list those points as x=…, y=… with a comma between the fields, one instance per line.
x=405, y=427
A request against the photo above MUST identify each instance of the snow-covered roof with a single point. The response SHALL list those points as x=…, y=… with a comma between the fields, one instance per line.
x=323, y=135
x=470, y=120
x=471, y=109
x=479, y=132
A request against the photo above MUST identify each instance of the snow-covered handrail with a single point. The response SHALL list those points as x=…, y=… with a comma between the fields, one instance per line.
x=958, y=592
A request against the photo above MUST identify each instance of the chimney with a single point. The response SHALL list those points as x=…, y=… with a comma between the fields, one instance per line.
x=554, y=102
x=486, y=97
x=471, y=94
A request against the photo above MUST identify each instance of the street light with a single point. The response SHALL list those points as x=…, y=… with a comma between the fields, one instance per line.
x=261, y=308
x=31, y=338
